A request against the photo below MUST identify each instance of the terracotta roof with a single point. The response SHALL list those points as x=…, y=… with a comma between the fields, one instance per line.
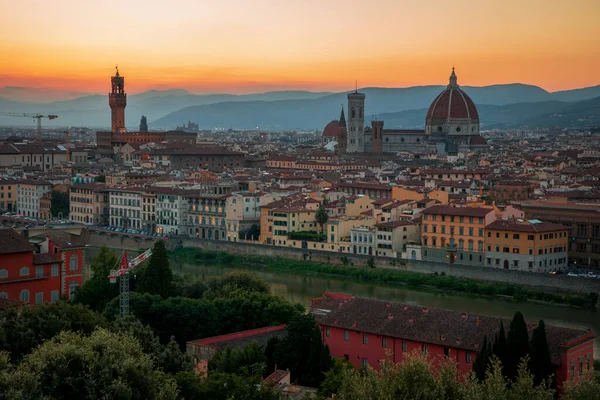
x=11, y=242
x=240, y=339
x=511, y=225
x=45, y=258
x=435, y=326
x=332, y=129
x=458, y=211
x=452, y=103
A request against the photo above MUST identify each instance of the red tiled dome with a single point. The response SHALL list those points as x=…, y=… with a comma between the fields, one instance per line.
x=332, y=129
x=452, y=103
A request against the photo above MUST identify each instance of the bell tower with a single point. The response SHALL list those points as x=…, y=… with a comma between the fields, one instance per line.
x=356, y=122
x=117, y=100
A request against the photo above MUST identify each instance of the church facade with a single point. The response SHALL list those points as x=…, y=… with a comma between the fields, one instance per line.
x=451, y=126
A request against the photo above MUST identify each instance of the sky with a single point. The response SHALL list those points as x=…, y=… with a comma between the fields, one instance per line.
x=249, y=46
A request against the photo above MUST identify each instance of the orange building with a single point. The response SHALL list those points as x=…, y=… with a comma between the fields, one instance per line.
x=455, y=234
x=533, y=245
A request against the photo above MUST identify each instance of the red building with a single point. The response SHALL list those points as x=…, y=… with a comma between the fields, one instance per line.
x=37, y=275
x=365, y=331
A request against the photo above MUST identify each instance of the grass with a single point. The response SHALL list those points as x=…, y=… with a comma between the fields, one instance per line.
x=377, y=275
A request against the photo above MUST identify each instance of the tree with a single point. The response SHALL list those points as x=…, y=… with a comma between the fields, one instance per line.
x=97, y=291
x=220, y=386
x=248, y=361
x=322, y=217
x=24, y=329
x=334, y=377
x=188, y=286
x=517, y=345
x=251, y=234
x=483, y=360
x=143, y=124
x=233, y=282
x=59, y=204
x=157, y=276
x=540, y=363
x=103, y=365
x=499, y=347
x=303, y=353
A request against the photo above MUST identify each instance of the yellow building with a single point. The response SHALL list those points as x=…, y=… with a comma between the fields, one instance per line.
x=455, y=234
x=532, y=245
x=89, y=203
x=8, y=195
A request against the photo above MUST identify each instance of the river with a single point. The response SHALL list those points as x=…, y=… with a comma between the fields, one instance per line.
x=301, y=289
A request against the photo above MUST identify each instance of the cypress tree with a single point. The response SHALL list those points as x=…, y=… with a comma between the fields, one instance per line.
x=157, y=276
x=499, y=347
x=540, y=362
x=483, y=360
x=517, y=345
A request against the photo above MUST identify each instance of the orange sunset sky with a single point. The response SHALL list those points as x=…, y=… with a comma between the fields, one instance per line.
x=241, y=46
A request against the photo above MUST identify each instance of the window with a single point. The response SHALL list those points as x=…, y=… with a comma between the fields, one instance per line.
x=404, y=347
x=424, y=349
x=39, y=298
x=73, y=285
x=39, y=271
x=580, y=366
x=365, y=338
x=3, y=273
x=384, y=342
x=24, y=296
x=446, y=352
x=365, y=362
x=468, y=357
x=346, y=336
x=24, y=271
x=327, y=332
x=3, y=295
x=572, y=369
x=54, y=296
x=515, y=236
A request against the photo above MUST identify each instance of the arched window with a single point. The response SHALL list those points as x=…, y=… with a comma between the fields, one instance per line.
x=3, y=295
x=73, y=262
x=24, y=297
x=353, y=113
x=3, y=273
x=24, y=271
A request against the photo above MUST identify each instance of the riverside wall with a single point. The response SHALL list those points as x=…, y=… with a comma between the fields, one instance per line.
x=554, y=283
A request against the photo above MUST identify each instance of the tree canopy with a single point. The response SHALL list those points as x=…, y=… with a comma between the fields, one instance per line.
x=322, y=217
x=59, y=204
x=157, y=276
x=517, y=345
x=103, y=365
x=97, y=291
x=234, y=282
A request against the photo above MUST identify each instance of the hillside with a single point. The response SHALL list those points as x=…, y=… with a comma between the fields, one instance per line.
x=499, y=105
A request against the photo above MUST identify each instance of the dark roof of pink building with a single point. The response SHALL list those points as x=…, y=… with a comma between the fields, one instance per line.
x=435, y=326
x=11, y=242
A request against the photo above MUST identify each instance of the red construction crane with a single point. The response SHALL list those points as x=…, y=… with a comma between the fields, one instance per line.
x=123, y=273
x=30, y=115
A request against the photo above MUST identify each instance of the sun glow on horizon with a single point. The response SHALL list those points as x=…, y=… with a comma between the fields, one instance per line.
x=237, y=46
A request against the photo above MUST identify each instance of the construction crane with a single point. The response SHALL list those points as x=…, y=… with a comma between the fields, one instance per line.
x=30, y=115
x=123, y=273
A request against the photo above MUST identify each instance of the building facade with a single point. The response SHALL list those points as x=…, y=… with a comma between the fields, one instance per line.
x=126, y=208
x=29, y=193
x=89, y=203
x=532, y=246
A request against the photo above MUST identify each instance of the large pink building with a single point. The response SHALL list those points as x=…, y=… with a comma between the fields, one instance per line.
x=367, y=331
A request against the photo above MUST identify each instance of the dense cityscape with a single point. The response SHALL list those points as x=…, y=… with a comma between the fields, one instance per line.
x=423, y=242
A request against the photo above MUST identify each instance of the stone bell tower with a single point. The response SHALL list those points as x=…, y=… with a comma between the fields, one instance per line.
x=356, y=122
x=117, y=100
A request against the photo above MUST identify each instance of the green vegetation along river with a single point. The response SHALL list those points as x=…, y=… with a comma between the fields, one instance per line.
x=301, y=288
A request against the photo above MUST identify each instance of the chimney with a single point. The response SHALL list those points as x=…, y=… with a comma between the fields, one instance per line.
x=26, y=234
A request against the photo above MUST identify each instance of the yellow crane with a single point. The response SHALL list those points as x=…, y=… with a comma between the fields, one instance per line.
x=36, y=116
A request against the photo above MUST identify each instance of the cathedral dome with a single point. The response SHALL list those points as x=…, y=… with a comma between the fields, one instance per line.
x=332, y=129
x=452, y=105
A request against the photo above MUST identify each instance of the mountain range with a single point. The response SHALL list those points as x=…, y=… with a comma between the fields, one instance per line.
x=510, y=105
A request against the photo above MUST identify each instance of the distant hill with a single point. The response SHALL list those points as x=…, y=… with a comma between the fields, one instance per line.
x=41, y=95
x=499, y=105
x=583, y=114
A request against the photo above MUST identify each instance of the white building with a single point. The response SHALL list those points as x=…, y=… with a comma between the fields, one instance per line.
x=29, y=193
x=393, y=236
x=171, y=211
x=242, y=210
x=362, y=240
x=126, y=207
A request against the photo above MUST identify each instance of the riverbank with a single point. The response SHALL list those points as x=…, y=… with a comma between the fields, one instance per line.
x=388, y=276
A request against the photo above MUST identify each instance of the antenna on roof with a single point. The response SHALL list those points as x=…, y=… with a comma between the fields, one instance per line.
x=355, y=86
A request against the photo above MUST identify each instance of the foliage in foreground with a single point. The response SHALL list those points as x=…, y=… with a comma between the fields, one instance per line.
x=103, y=365
x=415, y=379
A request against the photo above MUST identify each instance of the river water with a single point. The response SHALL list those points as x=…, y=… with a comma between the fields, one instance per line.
x=301, y=289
